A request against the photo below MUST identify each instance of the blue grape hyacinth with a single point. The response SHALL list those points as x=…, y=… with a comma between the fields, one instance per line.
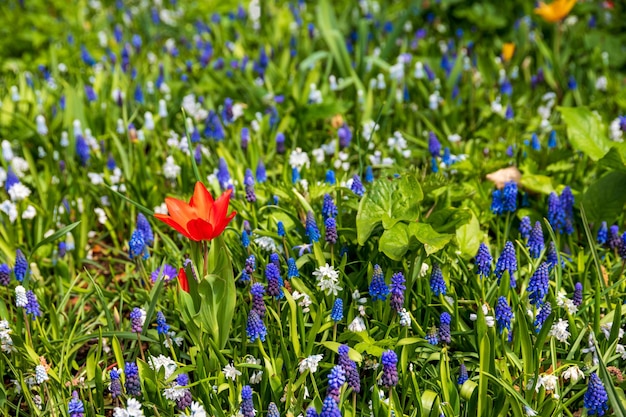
x=378, y=288
x=596, y=400
x=538, y=285
x=535, y=242
x=525, y=227
x=437, y=283
x=504, y=315
x=483, y=261
x=542, y=316
x=389, y=377
x=507, y=262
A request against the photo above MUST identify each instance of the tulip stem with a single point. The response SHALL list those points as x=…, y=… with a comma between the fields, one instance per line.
x=205, y=248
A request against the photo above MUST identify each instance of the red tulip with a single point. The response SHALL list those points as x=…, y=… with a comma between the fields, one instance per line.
x=182, y=280
x=202, y=218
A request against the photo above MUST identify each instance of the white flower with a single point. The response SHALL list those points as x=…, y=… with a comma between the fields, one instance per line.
x=266, y=243
x=41, y=374
x=19, y=192
x=357, y=325
x=20, y=166
x=163, y=362
x=10, y=209
x=6, y=343
x=601, y=83
x=256, y=377
x=102, y=216
x=405, y=318
x=327, y=279
x=304, y=300
x=615, y=130
x=170, y=169
x=548, y=381
x=20, y=296
x=318, y=154
x=563, y=301
x=573, y=373
x=161, y=209
x=606, y=330
x=424, y=269
x=174, y=392
x=133, y=407
x=621, y=350
x=559, y=330
x=230, y=372
x=29, y=213
x=197, y=410
x=529, y=411
x=310, y=363
x=299, y=159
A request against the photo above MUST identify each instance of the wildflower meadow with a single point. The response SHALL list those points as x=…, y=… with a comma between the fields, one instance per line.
x=312, y=208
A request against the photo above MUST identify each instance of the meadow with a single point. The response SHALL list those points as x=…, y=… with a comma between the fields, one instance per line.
x=312, y=208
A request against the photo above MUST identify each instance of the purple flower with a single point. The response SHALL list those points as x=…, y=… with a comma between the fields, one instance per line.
x=336, y=379
x=247, y=406
x=614, y=240
x=434, y=146
x=389, y=377
x=542, y=316
x=556, y=214
x=162, y=326
x=329, y=408
x=116, y=385
x=255, y=329
x=535, y=242
x=132, y=384
x=509, y=197
x=311, y=228
x=596, y=399
x=21, y=266
x=444, y=328
x=144, y=227
x=507, y=262
x=249, y=184
x=330, y=235
x=525, y=227
x=538, y=285
x=504, y=314
x=336, y=314
x=213, y=128
x=578, y=294
x=272, y=273
x=378, y=288
x=166, y=272
x=5, y=275
x=329, y=209
x=462, y=374
x=349, y=368
x=137, y=246
x=483, y=261
x=32, y=305
x=397, y=291
x=136, y=320
x=357, y=186
x=75, y=407
x=437, y=283
x=257, y=290
x=345, y=136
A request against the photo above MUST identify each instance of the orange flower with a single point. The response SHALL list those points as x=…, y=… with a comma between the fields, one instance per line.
x=202, y=218
x=508, y=49
x=182, y=280
x=555, y=11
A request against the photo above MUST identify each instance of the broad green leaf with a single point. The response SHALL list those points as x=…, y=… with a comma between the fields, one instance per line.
x=353, y=354
x=605, y=198
x=585, y=131
x=468, y=237
x=449, y=219
x=537, y=183
x=388, y=201
x=395, y=242
x=432, y=240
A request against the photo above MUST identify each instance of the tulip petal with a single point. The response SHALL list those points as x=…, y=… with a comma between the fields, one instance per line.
x=172, y=223
x=180, y=211
x=200, y=229
x=222, y=223
x=220, y=207
x=202, y=200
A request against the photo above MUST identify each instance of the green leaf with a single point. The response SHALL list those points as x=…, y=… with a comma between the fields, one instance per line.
x=395, y=242
x=432, y=240
x=334, y=346
x=389, y=201
x=585, y=131
x=537, y=183
x=468, y=237
x=56, y=235
x=605, y=198
x=449, y=219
